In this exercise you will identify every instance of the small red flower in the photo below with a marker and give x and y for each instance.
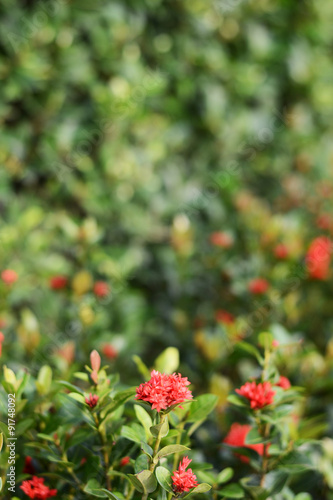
(182, 479)
(58, 282)
(258, 286)
(163, 391)
(28, 466)
(101, 289)
(237, 437)
(259, 395)
(9, 276)
(221, 239)
(35, 488)
(109, 351)
(275, 343)
(224, 317)
(283, 382)
(2, 338)
(281, 251)
(124, 461)
(92, 400)
(318, 258)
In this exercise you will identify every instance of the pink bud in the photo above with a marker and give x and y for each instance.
(95, 360)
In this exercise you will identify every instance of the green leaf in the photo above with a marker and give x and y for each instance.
(164, 478)
(23, 426)
(141, 463)
(78, 397)
(161, 429)
(141, 367)
(232, 491)
(134, 433)
(237, 400)
(253, 437)
(202, 407)
(69, 386)
(144, 418)
(136, 483)
(201, 488)
(251, 350)
(147, 449)
(119, 399)
(44, 380)
(225, 475)
(168, 360)
(171, 449)
(93, 488)
(109, 494)
(265, 340)
(148, 481)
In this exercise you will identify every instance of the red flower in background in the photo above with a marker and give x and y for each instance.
(58, 282)
(318, 258)
(92, 400)
(9, 276)
(281, 251)
(109, 351)
(283, 382)
(324, 221)
(2, 338)
(224, 317)
(35, 488)
(221, 239)
(259, 395)
(182, 479)
(237, 436)
(258, 286)
(101, 289)
(28, 466)
(163, 391)
(124, 461)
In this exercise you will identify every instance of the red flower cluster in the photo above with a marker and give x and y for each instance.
(258, 286)
(101, 289)
(35, 488)
(237, 436)
(259, 395)
(163, 391)
(221, 239)
(58, 282)
(318, 258)
(92, 400)
(182, 479)
(28, 466)
(124, 461)
(9, 276)
(224, 317)
(283, 382)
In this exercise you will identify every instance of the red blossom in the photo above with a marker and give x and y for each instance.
(182, 479)
(28, 466)
(92, 400)
(101, 289)
(283, 382)
(258, 286)
(35, 488)
(2, 338)
(318, 258)
(163, 391)
(109, 351)
(9, 276)
(124, 461)
(259, 395)
(221, 239)
(58, 282)
(224, 317)
(281, 251)
(237, 437)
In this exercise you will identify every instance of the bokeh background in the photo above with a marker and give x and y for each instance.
(176, 151)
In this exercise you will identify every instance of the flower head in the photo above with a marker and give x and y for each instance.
(163, 391)
(318, 258)
(237, 436)
(92, 400)
(258, 286)
(283, 382)
(35, 488)
(9, 276)
(182, 479)
(28, 466)
(124, 461)
(101, 289)
(259, 395)
(58, 282)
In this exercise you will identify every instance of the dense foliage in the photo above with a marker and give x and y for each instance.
(166, 184)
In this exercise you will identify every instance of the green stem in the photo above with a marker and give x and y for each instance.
(264, 470)
(155, 451)
(176, 457)
(105, 452)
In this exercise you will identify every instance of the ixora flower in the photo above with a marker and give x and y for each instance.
(35, 488)
(258, 286)
(318, 258)
(92, 400)
(9, 276)
(237, 436)
(164, 391)
(259, 395)
(182, 479)
(283, 382)
(58, 282)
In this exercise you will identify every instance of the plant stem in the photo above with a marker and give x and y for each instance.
(265, 434)
(176, 457)
(157, 444)
(105, 452)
